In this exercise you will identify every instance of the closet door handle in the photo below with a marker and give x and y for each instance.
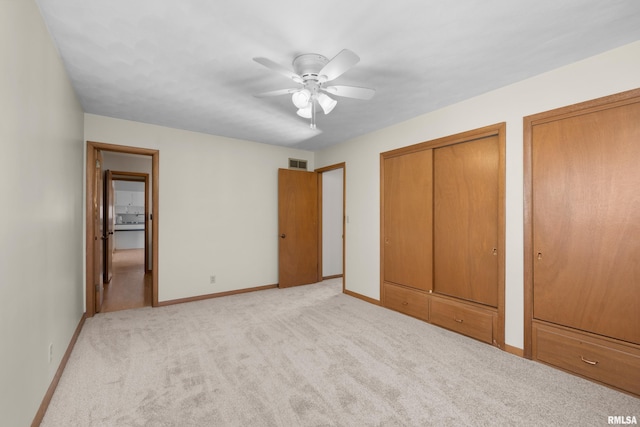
(458, 320)
(589, 362)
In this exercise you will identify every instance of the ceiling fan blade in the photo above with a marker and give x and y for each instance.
(275, 92)
(338, 65)
(351, 91)
(279, 69)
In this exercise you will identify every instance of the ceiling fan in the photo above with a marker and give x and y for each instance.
(312, 72)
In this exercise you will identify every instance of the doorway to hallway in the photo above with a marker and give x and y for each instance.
(95, 287)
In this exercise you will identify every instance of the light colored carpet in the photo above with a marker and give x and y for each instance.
(308, 356)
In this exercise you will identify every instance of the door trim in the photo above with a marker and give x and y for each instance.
(320, 171)
(92, 148)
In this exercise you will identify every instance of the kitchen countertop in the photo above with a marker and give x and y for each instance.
(129, 227)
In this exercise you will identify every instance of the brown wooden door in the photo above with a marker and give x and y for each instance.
(466, 220)
(98, 230)
(109, 237)
(586, 222)
(407, 219)
(298, 228)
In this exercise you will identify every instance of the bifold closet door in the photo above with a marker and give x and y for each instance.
(466, 220)
(408, 219)
(586, 222)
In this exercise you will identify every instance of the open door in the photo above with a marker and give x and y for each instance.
(109, 214)
(298, 228)
(98, 233)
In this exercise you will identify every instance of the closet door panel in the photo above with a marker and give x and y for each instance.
(586, 222)
(466, 203)
(408, 219)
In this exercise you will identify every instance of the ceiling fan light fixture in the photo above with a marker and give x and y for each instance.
(312, 71)
(301, 98)
(327, 103)
(305, 111)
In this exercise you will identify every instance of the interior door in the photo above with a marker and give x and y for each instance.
(109, 214)
(98, 233)
(298, 228)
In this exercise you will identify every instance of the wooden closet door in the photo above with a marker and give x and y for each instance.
(586, 222)
(408, 219)
(466, 220)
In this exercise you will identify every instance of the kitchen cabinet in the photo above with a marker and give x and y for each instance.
(129, 239)
(123, 198)
(129, 201)
(137, 198)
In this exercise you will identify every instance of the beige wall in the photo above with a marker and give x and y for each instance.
(218, 205)
(41, 277)
(601, 75)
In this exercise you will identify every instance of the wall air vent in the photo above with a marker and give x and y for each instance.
(298, 164)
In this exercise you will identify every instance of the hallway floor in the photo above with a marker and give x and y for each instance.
(130, 286)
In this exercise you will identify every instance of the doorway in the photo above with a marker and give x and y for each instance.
(128, 253)
(302, 225)
(332, 223)
(94, 230)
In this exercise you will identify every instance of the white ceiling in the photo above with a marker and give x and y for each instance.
(188, 64)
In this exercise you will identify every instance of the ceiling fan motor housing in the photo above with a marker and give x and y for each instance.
(309, 65)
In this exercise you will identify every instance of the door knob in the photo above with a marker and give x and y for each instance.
(282, 236)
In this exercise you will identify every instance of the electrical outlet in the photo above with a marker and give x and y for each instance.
(50, 352)
(212, 279)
